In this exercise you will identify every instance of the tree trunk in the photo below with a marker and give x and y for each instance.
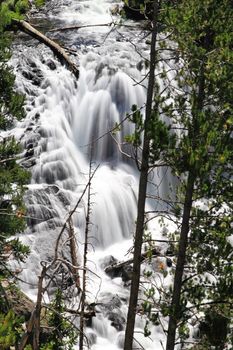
(83, 296)
(36, 333)
(142, 192)
(175, 305)
(73, 254)
(56, 48)
(194, 131)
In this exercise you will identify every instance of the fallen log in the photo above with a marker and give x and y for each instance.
(113, 269)
(56, 48)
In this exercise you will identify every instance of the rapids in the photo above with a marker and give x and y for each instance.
(66, 128)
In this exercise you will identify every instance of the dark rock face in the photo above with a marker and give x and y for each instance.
(117, 320)
(34, 75)
(113, 271)
(51, 64)
(40, 206)
(109, 302)
(110, 307)
(127, 273)
(28, 163)
(132, 10)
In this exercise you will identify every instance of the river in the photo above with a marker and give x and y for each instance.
(67, 129)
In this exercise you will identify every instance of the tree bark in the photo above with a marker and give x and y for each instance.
(83, 296)
(175, 305)
(56, 48)
(36, 333)
(142, 191)
(183, 242)
(73, 254)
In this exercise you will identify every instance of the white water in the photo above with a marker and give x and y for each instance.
(64, 117)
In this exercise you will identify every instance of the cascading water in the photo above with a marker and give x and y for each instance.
(66, 127)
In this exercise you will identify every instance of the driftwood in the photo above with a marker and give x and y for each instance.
(56, 48)
(86, 314)
(80, 27)
(114, 268)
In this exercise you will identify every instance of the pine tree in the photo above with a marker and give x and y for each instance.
(201, 157)
(12, 180)
(205, 155)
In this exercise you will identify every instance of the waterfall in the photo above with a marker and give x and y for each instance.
(66, 128)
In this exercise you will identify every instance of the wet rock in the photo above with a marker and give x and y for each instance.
(37, 116)
(123, 270)
(34, 75)
(108, 260)
(30, 146)
(109, 302)
(29, 152)
(27, 74)
(92, 338)
(51, 64)
(31, 63)
(31, 139)
(40, 213)
(127, 273)
(54, 189)
(169, 262)
(29, 128)
(117, 320)
(28, 163)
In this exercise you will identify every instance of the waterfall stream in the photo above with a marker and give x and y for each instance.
(66, 128)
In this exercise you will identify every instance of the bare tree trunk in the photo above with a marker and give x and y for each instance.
(83, 296)
(142, 190)
(57, 49)
(183, 242)
(36, 335)
(73, 253)
(175, 305)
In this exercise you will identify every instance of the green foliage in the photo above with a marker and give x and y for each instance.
(10, 329)
(39, 3)
(12, 177)
(205, 149)
(64, 335)
(201, 109)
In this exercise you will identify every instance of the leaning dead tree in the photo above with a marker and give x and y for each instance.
(50, 270)
(55, 47)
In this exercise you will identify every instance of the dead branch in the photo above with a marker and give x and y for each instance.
(90, 26)
(55, 47)
(80, 27)
(71, 214)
